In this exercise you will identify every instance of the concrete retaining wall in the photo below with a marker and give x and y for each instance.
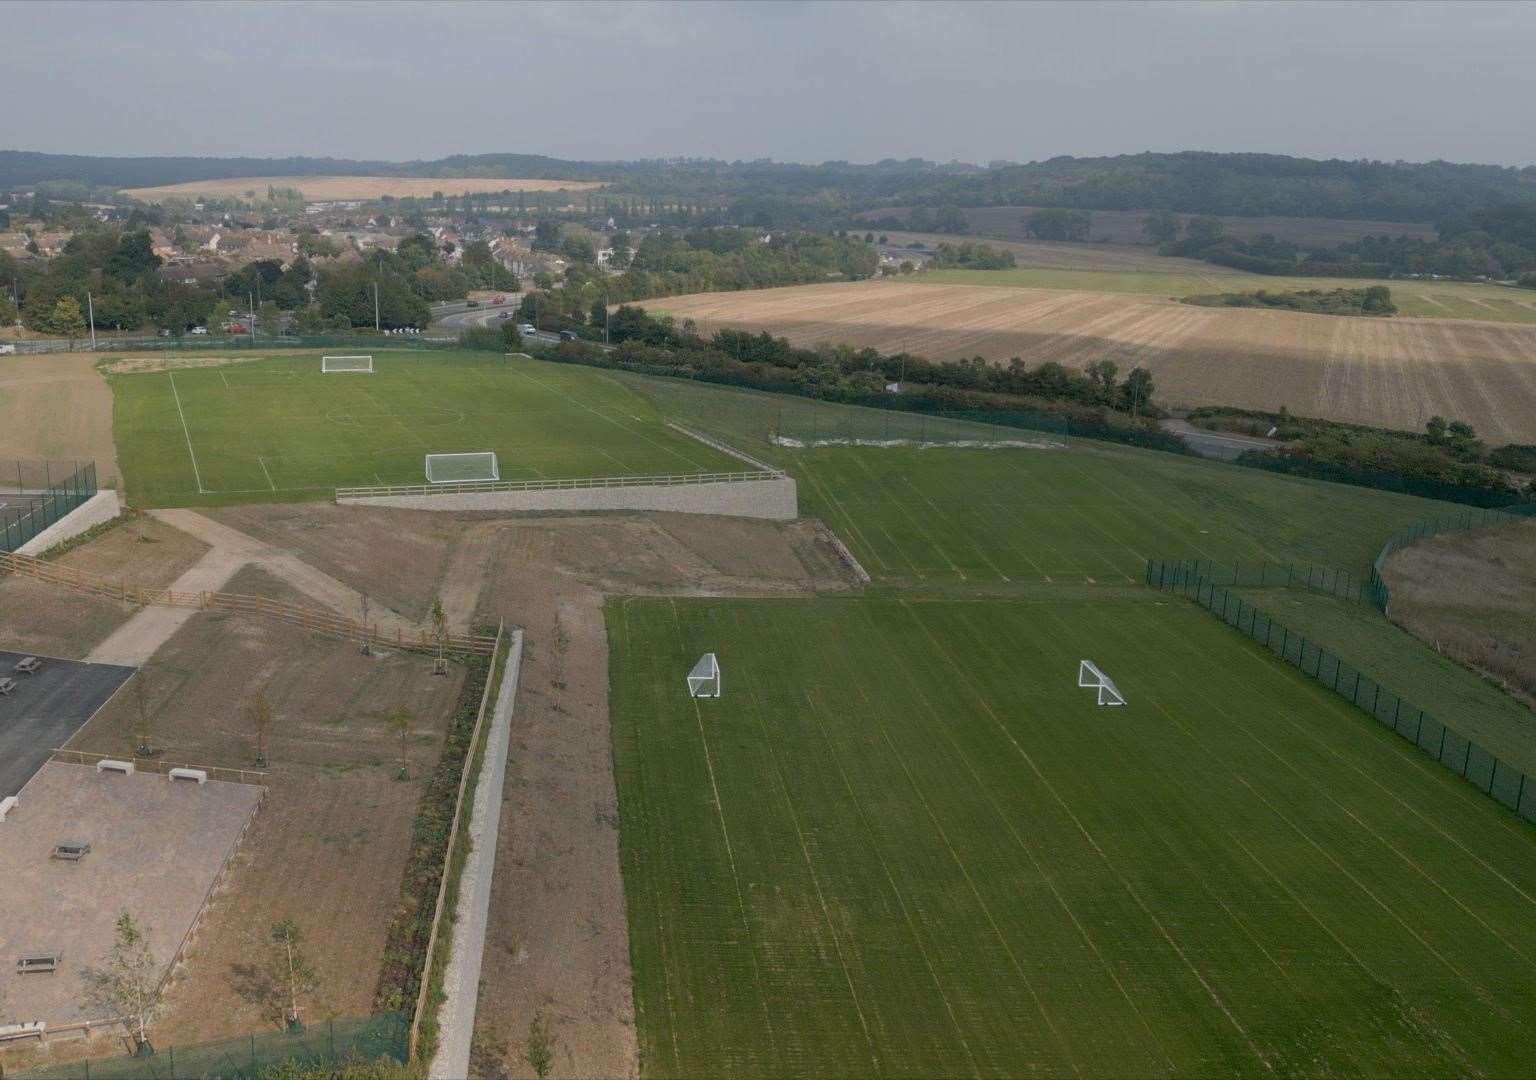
(99, 508)
(773, 498)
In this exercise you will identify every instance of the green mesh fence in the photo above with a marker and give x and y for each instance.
(1456, 752)
(826, 426)
(1268, 575)
(369, 1038)
(35, 494)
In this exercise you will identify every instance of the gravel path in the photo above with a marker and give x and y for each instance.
(461, 983)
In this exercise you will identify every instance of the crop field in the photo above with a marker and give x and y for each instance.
(905, 843)
(1426, 299)
(1388, 372)
(326, 188)
(1125, 226)
(278, 430)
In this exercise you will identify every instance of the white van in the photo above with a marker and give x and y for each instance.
(6, 350)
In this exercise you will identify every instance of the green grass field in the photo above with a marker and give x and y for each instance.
(279, 430)
(1453, 694)
(904, 843)
(1096, 511)
(1432, 299)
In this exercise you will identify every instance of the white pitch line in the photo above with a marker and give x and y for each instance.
(196, 475)
(268, 474)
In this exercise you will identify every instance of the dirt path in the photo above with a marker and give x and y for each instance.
(57, 407)
(465, 575)
(315, 584)
(141, 636)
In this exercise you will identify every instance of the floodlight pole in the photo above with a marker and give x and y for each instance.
(251, 301)
(90, 306)
(375, 306)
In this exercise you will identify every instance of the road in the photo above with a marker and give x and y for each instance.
(457, 315)
(1217, 444)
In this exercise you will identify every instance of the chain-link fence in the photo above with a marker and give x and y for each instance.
(368, 1038)
(826, 426)
(1175, 573)
(1467, 519)
(35, 494)
(201, 343)
(1450, 748)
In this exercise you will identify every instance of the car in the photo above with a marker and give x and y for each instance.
(505, 315)
(6, 350)
(527, 328)
(471, 303)
(200, 331)
(568, 335)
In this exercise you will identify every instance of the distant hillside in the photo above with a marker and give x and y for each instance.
(778, 193)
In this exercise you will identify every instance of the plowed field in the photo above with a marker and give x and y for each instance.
(1392, 372)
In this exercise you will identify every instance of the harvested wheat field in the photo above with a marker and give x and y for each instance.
(1390, 372)
(324, 188)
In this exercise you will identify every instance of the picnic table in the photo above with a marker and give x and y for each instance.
(28, 665)
(7, 684)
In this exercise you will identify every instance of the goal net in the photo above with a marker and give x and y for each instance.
(1089, 676)
(346, 363)
(460, 468)
(704, 679)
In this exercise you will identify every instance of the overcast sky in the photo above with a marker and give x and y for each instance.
(791, 81)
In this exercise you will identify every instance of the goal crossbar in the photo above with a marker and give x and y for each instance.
(704, 679)
(1090, 677)
(332, 364)
(462, 468)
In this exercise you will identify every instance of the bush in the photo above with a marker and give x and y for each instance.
(1517, 456)
(483, 339)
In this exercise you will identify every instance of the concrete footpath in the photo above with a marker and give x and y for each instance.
(461, 982)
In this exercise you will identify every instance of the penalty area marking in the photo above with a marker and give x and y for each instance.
(196, 473)
(266, 472)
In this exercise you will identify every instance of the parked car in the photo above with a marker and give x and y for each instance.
(200, 331)
(6, 350)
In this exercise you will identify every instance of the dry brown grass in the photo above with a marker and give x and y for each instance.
(1471, 594)
(325, 188)
(57, 406)
(1392, 373)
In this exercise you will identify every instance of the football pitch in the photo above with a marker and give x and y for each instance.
(904, 842)
(280, 430)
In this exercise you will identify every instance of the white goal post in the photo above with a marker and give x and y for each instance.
(462, 468)
(704, 679)
(1089, 676)
(329, 364)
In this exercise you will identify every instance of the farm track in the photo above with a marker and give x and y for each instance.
(1390, 372)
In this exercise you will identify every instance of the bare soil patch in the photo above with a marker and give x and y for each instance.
(56, 406)
(139, 365)
(330, 844)
(38, 617)
(325, 188)
(1470, 595)
(1388, 372)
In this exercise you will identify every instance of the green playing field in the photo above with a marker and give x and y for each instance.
(280, 430)
(904, 843)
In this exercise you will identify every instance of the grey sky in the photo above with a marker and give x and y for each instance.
(790, 81)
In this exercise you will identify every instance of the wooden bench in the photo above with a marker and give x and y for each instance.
(198, 775)
(113, 765)
(28, 665)
(71, 850)
(7, 684)
(39, 963)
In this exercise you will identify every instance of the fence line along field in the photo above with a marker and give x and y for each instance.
(905, 843)
(1389, 372)
(281, 430)
(325, 188)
